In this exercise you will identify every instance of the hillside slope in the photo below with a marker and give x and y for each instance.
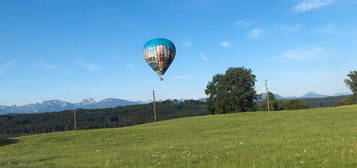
(306, 138)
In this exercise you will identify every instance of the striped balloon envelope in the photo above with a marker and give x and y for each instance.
(159, 53)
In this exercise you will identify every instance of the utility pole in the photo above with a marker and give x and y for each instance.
(154, 104)
(75, 119)
(268, 102)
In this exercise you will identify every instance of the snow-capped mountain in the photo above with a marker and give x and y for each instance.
(86, 102)
(58, 105)
(110, 102)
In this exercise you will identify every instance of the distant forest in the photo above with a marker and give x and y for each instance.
(25, 124)
(331, 101)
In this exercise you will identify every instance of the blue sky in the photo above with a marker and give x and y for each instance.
(76, 49)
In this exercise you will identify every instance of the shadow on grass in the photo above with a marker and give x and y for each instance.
(6, 141)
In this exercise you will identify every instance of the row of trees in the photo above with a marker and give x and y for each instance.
(234, 91)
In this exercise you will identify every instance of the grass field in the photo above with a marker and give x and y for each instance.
(306, 138)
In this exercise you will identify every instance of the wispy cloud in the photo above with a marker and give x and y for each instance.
(186, 43)
(226, 44)
(255, 33)
(242, 23)
(7, 65)
(305, 53)
(52, 67)
(89, 66)
(289, 29)
(181, 77)
(329, 29)
(131, 66)
(308, 5)
(203, 56)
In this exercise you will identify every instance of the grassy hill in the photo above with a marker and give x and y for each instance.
(305, 138)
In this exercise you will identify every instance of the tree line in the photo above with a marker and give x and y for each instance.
(234, 91)
(24, 124)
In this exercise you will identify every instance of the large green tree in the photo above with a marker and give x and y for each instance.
(233, 91)
(351, 82)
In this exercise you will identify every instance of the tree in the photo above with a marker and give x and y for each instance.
(231, 92)
(262, 102)
(263, 96)
(351, 99)
(271, 96)
(352, 81)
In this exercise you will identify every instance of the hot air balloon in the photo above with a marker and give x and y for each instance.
(159, 53)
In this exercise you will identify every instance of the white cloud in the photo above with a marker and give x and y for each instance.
(305, 53)
(242, 23)
(181, 77)
(226, 44)
(255, 33)
(53, 67)
(89, 66)
(203, 56)
(7, 65)
(308, 5)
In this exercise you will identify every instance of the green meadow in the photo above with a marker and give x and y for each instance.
(312, 138)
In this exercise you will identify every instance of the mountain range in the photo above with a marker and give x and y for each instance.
(58, 105)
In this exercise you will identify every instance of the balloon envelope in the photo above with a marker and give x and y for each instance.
(159, 54)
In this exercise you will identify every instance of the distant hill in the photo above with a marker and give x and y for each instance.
(110, 102)
(308, 95)
(330, 101)
(203, 99)
(312, 95)
(314, 100)
(58, 105)
(277, 96)
(342, 94)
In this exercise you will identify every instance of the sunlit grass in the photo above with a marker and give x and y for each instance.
(305, 138)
